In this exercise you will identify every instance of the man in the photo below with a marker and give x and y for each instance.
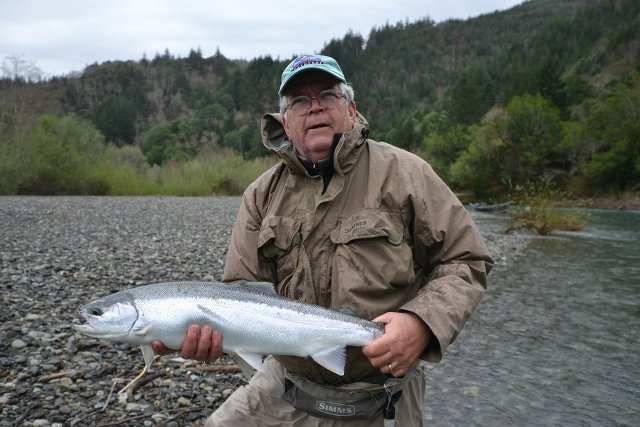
(348, 223)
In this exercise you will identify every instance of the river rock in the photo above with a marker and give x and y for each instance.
(18, 344)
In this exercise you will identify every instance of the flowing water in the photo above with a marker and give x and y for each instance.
(555, 341)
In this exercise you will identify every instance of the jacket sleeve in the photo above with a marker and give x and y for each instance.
(453, 259)
(244, 260)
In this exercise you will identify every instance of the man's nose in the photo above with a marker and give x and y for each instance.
(314, 105)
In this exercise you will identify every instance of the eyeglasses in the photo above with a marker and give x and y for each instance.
(327, 99)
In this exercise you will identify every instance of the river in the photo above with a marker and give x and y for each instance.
(555, 340)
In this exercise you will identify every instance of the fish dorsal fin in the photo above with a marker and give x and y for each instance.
(346, 310)
(333, 359)
(265, 287)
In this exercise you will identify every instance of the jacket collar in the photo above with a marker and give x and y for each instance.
(345, 154)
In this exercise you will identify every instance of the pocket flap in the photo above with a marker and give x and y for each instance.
(278, 231)
(369, 226)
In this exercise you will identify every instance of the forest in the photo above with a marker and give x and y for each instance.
(546, 93)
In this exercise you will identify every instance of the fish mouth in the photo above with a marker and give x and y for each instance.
(87, 328)
(85, 315)
(84, 329)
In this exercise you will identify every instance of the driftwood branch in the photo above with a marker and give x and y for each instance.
(142, 381)
(216, 368)
(57, 375)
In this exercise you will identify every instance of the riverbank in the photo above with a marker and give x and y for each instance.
(629, 202)
(58, 253)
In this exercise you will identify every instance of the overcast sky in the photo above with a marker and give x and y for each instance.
(62, 36)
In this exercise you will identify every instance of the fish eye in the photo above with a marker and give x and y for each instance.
(95, 311)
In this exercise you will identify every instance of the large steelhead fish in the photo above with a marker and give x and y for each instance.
(253, 319)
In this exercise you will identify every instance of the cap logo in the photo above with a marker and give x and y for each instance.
(305, 60)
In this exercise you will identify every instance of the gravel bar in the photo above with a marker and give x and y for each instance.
(58, 253)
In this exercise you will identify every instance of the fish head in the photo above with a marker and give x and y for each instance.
(110, 318)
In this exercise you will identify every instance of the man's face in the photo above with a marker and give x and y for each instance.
(312, 132)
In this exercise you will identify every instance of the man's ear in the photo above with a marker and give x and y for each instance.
(352, 112)
(285, 125)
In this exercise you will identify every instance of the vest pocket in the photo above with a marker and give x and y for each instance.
(373, 263)
(279, 240)
(278, 235)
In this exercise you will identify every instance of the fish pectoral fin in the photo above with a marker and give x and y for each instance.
(142, 331)
(333, 359)
(141, 327)
(253, 359)
(148, 354)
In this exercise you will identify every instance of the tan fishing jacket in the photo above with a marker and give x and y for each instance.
(386, 235)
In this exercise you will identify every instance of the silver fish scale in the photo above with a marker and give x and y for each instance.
(239, 291)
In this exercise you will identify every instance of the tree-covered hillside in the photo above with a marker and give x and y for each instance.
(546, 90)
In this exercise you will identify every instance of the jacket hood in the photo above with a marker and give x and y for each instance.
(345, 154)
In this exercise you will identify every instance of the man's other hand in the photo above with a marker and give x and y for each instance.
(404, 340)
(202, 344)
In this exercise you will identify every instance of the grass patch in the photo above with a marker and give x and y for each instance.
(66, 156)
(223, 173)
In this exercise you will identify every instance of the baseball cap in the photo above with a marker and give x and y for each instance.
(311, 62)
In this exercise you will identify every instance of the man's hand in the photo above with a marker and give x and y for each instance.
(405, 338)
(200, 344)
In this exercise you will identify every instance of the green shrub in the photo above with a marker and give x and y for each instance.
(541, 209)
(124, 171)
(11, 166)
(67, 155)
(56, 157)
